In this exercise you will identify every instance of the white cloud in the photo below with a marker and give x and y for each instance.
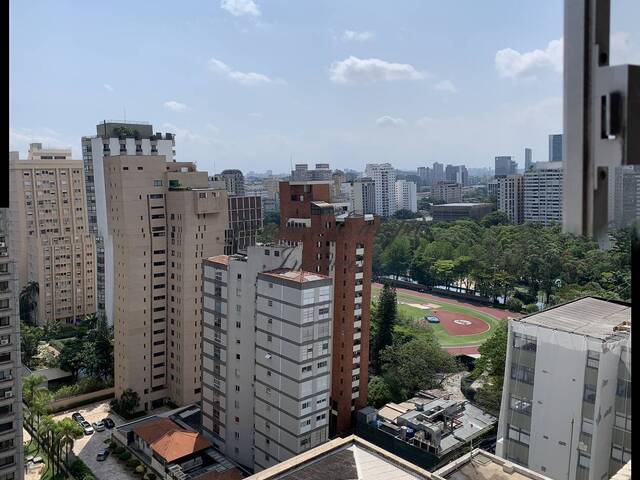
(239, 8)
(175, 106)
(108, 87)
(388, 121)
(446, 86)
(623, 49)
(243, 78)
(511, 63)
(352, 35)
(20, 138)
(354, 70)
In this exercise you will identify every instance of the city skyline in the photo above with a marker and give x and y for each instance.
(232, 102)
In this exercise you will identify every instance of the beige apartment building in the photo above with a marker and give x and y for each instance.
(164, 218)
(49, 234)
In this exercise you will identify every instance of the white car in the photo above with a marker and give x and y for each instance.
(98, 426)
(88, 429)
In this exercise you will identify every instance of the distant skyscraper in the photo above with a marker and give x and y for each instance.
(406, 198)
(528, 159)
(450, 174)
(543, 193)
(555, 148)
(363, 196)
(504, 166)
(438, 172)
(384, 177)
(626, 195)
(511, 197)
(233, 180)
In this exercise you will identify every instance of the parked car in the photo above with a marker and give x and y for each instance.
(88, 429)
(102, 455)
(98, 426)
(77, 417)
(108, 422)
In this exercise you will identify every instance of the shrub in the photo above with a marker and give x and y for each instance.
(140, 470)
(513, 304)
(112, 445)
(150, 476)
(531, 308)
(119, 450)
(124, 456)
(133, 463)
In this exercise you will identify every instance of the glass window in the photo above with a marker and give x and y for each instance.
(593, 359)
(525, 342)
(520, 404)
(589, 393)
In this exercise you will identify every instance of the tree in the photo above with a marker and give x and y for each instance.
(396, 257)
(48, 434)
(386, 311)
(29, 341)
(98, 350)
(73, 357)
(70, 431)
(514, 304)
(29, 303)
(31, 384)
(414, 365)
(404, 214)
(495, 218)
(444, 270)
(127, 404)
(491, 365)
(379, 393)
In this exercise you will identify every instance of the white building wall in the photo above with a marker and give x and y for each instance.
(384, 177)
(406, 196)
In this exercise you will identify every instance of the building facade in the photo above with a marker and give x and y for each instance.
(528, 159)
(233, 180)
(49, 235)
(447, 192)
(438, 172)
(322, 172)
(566, 401)
(457, 174)
(339, 245)
(543, 193)
(458, 211)
(504, 165)
(163, 219)
(406, 198)
(245, 222)
(11, 448)
(626, 194)
(111, 139)
(266, 355)
(555, 147)
(363, 196)
(511, 197)
(384, 178)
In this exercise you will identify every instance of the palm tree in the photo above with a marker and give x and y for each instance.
(47, 434)
(29, 302)
(39, 407)
(30, 386)
(69, 432)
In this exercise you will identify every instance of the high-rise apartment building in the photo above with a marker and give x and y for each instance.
(511, 197)
(322, 172)
(425, 174)
(528, 159)
(600, 118)
(11, 448)
(339, 245)
(438, 172)
(457, 174)
(111, 139)
(163, 219)
(504, 166)
(266, 355)
(626, 192)
(447, 192)
(555, 147)
(363, 196)
(245, 222)
(543, 193)
(233, 180)
(566, 399)
(406, 196)
(49, 235)
(384, 178)
(338, 177)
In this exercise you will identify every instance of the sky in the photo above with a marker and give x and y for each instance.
(261, 84)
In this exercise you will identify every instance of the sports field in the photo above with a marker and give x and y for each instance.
(463, 327)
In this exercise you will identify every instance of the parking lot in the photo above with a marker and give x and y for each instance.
(87, 447)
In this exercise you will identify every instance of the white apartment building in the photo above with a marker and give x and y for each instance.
(406, 196)
(384, 178)
(566, 401)
(111, 139)
(511, 197)
(266, 359)
(363, 196)
(448, 192)
(543, 193)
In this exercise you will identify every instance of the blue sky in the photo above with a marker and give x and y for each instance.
(251, 84)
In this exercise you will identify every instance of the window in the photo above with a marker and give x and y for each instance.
(584, 461)
(237, 388)
(319, 418)
(589, 393)
(305, 423)
(587, 426)
(593, 359)
(306, 405)
(618, 452)
(157, 183)
(518, 434)
(270, 303)
(525, 342)
(622, 421)
(520, 404)
(322, 364)
(306, 369)
(522, 373)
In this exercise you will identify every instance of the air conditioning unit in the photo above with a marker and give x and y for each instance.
(4, 341)
(8, 394)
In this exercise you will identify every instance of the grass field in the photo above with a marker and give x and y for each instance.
(441, 334)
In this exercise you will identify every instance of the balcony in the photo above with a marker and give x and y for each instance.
(359, 251)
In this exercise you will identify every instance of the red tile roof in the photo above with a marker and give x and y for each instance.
(152, 431)
(178, 444)
(222, 259)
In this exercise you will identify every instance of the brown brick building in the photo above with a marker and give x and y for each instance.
(340, 245)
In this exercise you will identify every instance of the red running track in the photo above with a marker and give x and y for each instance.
(455, 329)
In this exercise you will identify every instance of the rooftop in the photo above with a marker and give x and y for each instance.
(588, 316)
(481, 465)
(222, 259)
(300, 276)
(179, 443)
